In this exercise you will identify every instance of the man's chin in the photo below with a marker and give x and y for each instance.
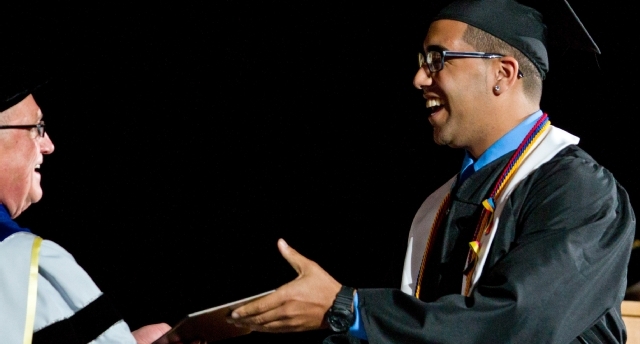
(438, 139)
(35, 195)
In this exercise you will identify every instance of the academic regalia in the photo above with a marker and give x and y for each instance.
(555, 272)
(46, 293)
(555, 268)
(69, 307)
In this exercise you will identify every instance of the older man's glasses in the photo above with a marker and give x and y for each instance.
(436, 57)
(39, 127)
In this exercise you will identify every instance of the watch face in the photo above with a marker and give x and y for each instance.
(340, 316)
(340, 320)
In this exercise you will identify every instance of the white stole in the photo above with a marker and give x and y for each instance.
(541, 151)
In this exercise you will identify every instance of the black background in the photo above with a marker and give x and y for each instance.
(190, 137)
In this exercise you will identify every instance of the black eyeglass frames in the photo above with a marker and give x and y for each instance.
(435, 58)
(39, 126)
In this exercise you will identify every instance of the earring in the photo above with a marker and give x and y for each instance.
(496, 88)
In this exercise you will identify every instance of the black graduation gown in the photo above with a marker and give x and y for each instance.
(556, 271)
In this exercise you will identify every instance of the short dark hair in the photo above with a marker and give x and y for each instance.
(483, 41)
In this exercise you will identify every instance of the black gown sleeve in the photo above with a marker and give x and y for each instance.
(556, 269)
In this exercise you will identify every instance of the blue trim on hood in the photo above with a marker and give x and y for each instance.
(7, 225)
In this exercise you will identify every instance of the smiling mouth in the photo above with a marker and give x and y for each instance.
(37, 169)
(434, 105)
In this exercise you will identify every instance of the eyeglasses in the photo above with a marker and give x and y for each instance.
(436, 57)
(39, 127)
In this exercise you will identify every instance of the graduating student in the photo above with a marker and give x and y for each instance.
(529, 243)
(45, 296)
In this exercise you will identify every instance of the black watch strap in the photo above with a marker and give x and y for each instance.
(340, 316)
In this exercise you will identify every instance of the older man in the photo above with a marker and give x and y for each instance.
(527, 244)
(45, 296)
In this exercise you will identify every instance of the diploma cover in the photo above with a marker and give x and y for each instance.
(208, 325)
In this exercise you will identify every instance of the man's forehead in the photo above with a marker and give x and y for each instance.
(446, 34)
(31, 107)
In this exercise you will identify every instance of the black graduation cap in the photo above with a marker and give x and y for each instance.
(19, 77)
(523, 27)
(12, 94)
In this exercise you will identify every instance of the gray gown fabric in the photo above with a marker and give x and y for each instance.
(556, 271)
(64, 289)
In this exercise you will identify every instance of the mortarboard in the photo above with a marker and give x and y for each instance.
(12, 94)
(19, 77)
(524, 27)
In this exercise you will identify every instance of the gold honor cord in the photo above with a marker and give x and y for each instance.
(32, 293)
(487, 216)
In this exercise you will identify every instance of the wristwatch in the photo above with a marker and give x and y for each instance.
(340, 316)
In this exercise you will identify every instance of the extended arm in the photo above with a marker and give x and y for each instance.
(299, 305)
(557, 269)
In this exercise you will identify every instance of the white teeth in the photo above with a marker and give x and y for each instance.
(37, 166)
(433, 102)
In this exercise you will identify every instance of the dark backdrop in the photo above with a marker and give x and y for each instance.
(190, 137)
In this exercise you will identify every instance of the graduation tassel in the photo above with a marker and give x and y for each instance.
(489, 204)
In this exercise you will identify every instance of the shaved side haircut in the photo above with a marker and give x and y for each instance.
(483, 41)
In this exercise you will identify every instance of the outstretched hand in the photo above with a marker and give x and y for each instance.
(148, 334)
(299, 305)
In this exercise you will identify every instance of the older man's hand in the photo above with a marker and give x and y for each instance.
(148, 334)
(299, 305)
